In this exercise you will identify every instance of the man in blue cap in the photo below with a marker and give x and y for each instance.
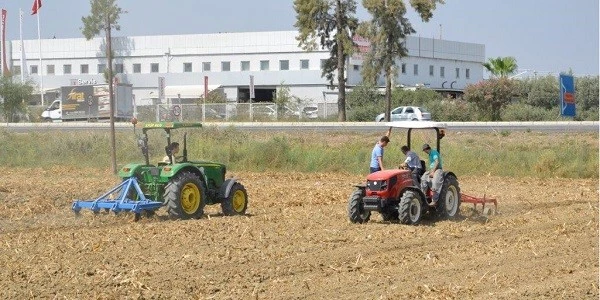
(434, 178)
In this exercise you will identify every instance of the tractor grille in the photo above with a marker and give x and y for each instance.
(372, 203)
(377, 185)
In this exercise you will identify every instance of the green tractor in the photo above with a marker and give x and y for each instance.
(181, 185)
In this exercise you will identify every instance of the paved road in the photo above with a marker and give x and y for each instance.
(571, 126)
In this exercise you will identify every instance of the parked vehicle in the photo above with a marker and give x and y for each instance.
(83, 102)
(406, 113)
(311, 112)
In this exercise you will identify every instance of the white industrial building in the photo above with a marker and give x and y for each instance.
(228, 60)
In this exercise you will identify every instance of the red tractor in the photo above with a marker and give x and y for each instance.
(393, 194)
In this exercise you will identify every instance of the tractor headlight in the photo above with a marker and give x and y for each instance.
(377, 185)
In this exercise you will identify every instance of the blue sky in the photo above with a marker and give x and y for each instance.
(545, 36)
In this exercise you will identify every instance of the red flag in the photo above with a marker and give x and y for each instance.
(36, 5)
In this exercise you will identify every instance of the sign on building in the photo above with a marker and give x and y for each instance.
(567, 95)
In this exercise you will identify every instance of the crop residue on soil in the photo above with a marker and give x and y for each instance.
(296, 243)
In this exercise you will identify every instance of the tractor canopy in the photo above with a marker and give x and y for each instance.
(438, 127)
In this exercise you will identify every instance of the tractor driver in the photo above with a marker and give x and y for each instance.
(172, 149)
(413, 163)
(434, 178)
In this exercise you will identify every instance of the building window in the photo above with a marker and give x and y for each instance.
(468, 73)
(304, 64)
(431, 70)
(225, 66)
(187, 67)
(154, 68)
(34, 69)
(457, 72)
(50, 69)
(264, 65)
(137, 68)
(403, 68)
(119, 69)
(284, 65)
(66, 69)
(245, 66)
(356, 67)
(101, 68)
(442, 72)
(206, 66)
(16, 70)
(416, 69)
(84, 69)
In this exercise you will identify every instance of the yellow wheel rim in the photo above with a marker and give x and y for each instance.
(190, 198)
(239, 201)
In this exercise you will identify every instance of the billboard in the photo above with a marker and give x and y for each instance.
(79, 102)
(567, 95)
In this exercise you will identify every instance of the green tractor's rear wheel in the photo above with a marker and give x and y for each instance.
(237, 201)
(185, 196)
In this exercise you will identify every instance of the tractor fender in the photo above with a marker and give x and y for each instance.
(361, 186)
(226, 188)
(446, 174)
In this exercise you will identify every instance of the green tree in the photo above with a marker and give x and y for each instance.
(14, 96)
(214, 96)
(332, 23)
(501, 66)
(104, 16)
(387, 31)
(490, 96)
(543, 92)
(586, 92)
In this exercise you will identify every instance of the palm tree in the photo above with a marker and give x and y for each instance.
(501, 66)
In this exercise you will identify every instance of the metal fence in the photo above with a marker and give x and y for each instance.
(242, 112)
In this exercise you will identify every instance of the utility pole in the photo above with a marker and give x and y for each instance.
(113, 149)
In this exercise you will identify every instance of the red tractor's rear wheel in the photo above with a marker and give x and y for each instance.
(356, 210)
(449, 201)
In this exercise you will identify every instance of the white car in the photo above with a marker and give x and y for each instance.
(406, 113)
(311, 112)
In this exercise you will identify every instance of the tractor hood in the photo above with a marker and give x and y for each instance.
(386, 174)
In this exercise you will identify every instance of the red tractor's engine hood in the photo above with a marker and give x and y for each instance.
(386, 174)
(387, 184)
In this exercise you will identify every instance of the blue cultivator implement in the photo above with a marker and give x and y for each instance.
(123, 201)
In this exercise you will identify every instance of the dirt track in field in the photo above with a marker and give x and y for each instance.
(296, 243)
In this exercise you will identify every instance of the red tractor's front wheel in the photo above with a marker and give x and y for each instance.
(410, 209)
(356, 210)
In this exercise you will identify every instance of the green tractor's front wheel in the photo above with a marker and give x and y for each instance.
(185, 196)
(237, 201)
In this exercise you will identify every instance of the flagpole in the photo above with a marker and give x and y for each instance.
(22, 47)
(41, 70)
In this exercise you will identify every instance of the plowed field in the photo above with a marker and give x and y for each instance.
(296, 243)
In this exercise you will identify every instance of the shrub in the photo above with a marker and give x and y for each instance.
(525, 112)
